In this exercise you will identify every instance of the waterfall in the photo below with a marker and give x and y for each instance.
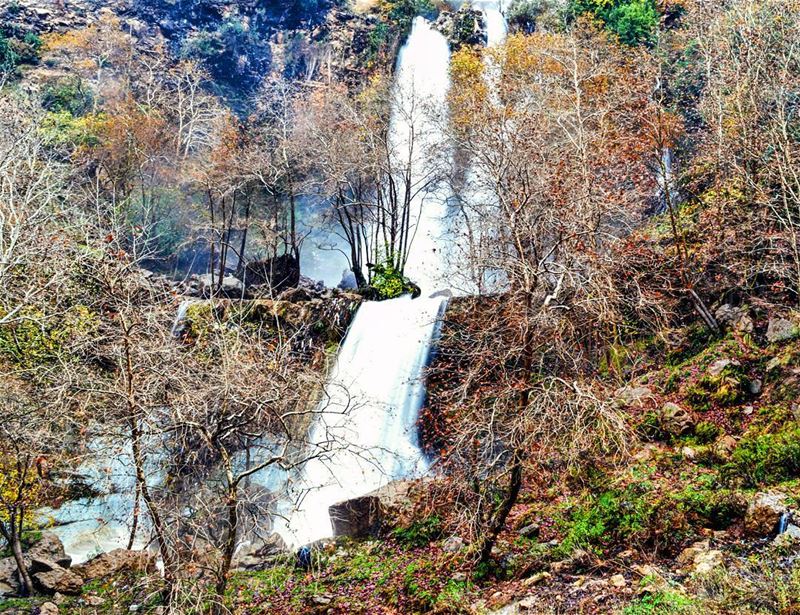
(496, 26)
(365, 431)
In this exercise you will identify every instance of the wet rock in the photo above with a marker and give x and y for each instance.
(454, 544)
(764, 512)
(781, 330)
(114, 562)
(675, 420)
(788, 538)
(59, 580)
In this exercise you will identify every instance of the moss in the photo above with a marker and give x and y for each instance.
(710, 505)
(706, 432)
(727, 389)
(419, 533)
(766, 458)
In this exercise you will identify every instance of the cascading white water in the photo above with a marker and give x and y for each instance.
(496, 26)
(367, 421)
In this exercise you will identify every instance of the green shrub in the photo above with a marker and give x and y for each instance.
(68, 95)
(63, 128)
(31, 339)
(633, 21)
(767, 458)
(8, 56)
(401, 13)
(389, 282)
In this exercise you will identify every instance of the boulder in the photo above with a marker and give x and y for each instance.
(634, 396)
(230, 286)
(59, 580)
(9, 581)
(737, 318)
(707, 561)
(530, 531)
(700, 558)
(260, 553)
(49, 547)
(454, 544)
(675, 420)
(718, 366)
(764, 512)
(48, 608)
(781, 330)
(358, 518)
(114, 562)
(44, 555)
(365, 516)
(725, 446)
(277, 273)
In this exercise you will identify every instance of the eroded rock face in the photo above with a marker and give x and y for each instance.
(764, 512)
(467, 26)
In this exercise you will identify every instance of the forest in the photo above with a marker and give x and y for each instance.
(478, 307)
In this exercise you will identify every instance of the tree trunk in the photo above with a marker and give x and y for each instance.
(24, 576)
(498, 520)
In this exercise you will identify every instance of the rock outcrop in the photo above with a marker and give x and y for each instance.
(764, 512)
(119, 560)
(367, 515)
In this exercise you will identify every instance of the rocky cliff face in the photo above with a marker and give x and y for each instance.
(240, 42)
